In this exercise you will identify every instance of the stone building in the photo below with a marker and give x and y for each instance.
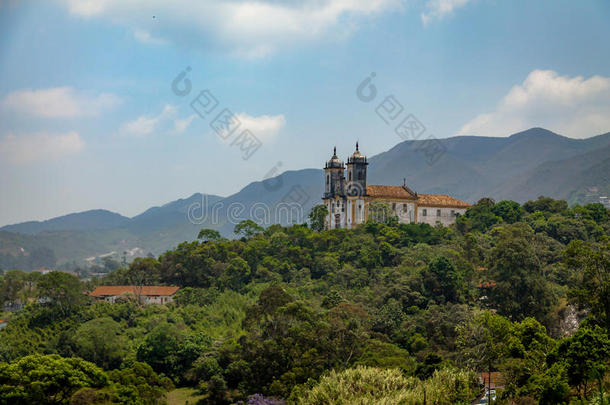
(348, 197)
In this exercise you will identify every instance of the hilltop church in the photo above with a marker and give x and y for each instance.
(348, 199)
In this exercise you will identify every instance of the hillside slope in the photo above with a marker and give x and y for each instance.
(519, 167)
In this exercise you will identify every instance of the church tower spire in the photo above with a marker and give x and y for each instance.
(334, 175)
(356, 173)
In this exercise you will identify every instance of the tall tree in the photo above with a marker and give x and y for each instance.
(209, 235)
(520, 288)
(591, 290)
(63, 290)
(248, 228)
(51, 379)
(317, 217)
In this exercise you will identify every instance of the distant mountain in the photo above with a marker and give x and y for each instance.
(568, 179)
(474, 167)
(86, 220)
(520, 167)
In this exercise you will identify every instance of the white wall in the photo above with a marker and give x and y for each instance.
(337, 206)
(447, 216)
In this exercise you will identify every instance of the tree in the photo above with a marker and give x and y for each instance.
(143, 271)
(585, 355)
(597, 212)
(546, 204)
(248, 228)
(591, 289)
(479, 217)
(369, 385)
(209, 235)
(317, 217)
(443, 281)
(99, 341)
(520, 288)
(47, 379)
(63, 290)
(509, 211)
(11, 284)
(139, 384)
(170, 350)
(483, 341)
(236, 274)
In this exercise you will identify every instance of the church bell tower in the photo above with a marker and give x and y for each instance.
(335, 180)
(356, 174)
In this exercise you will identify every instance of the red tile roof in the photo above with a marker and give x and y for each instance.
(441, 200)
(487, 284)
(153, 290)
(496, 380)
(389, 191)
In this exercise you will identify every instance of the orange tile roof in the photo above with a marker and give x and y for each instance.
(496, 380)
(389, 191)
(487, 284)
(441, 200)
(152, 290)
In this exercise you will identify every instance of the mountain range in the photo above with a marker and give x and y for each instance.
(520, 167)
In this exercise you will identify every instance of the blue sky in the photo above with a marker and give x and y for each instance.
(88, 118)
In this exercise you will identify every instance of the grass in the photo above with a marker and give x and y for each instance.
(183, 396)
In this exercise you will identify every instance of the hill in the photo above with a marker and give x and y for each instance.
(519, 167)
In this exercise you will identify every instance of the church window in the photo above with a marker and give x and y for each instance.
(327, 179)
(393, 206)
(438, 213)
(349, 175)
(404, 207)
(424, 212)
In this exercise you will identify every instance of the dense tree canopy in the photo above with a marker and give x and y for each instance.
(286, 313)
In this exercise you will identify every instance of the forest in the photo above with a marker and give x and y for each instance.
(388, 313)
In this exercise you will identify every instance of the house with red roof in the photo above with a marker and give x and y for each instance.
(144, 294)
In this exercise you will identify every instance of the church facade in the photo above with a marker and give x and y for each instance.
(348, 197)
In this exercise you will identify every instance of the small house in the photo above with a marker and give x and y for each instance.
(144, 294)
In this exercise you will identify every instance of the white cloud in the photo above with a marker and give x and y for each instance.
(146, 124)
(264, 127)
(145, 37)
(437, 9)
(181, 125)
(571, 106)
(39, 147)
(242, 27)
(59, 102)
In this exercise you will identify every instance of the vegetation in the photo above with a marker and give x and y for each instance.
(380, 314)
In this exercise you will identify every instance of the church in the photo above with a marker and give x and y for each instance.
(348, 198)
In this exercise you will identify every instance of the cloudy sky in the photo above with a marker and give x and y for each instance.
(114, 103)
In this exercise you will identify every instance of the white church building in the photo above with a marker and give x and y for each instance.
(348, 197)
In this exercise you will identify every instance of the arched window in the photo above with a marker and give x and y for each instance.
(349, 176)
(327, 178)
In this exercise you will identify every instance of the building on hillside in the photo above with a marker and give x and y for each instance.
(348, 198)
(492, 380)
(145, 294)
